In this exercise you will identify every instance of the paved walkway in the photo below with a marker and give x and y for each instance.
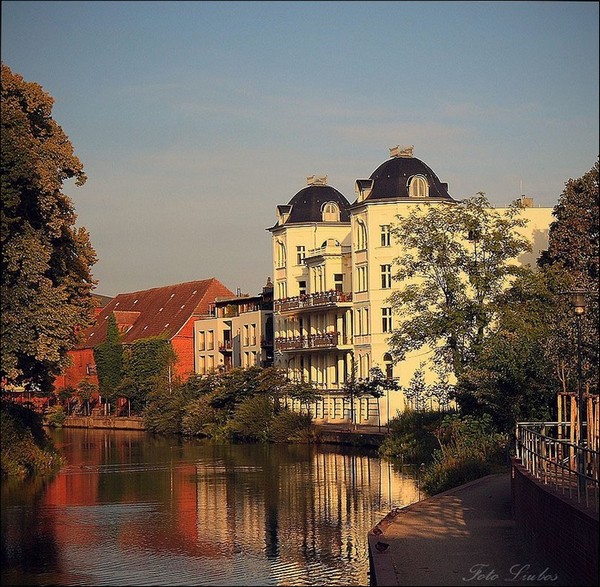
(464, 536)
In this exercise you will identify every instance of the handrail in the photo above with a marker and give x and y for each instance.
(558, 461)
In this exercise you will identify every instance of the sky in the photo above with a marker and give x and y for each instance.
(195, 120)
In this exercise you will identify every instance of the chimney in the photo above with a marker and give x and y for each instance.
(526, 202)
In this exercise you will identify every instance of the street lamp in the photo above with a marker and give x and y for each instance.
(577, 299)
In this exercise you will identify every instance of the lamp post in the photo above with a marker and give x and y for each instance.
(577, 298)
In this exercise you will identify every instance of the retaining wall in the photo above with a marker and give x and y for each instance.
(556, 524)
(106, 422)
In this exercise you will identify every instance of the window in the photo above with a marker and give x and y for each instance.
(361, 278)
(386, 276)
(386, 320)
(385, 235)
(300, 255)
(331, 212)
(302, 287)
(418, 187)
(338, 280)
(281, 256)
(281, 290)
(361, 235)
(210, 340)
(246, 335)
(253, 334)
(201, 341)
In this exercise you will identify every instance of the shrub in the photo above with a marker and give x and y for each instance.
(25, 449)
(411, 436)
(288, 426)
(469, 448)
(252, 419)
(200, 418)
(55, 416)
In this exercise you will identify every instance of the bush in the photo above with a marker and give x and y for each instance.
(288, 426)
(252, 419)
(55, 416)
(26, 450)
(411, 436)
(200, 418)
(469, 448)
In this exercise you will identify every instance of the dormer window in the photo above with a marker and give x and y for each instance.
(331, 212)
(418, 187)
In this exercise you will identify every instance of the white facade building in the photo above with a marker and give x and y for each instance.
(332, 274)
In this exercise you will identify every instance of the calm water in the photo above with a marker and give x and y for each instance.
(130, 509)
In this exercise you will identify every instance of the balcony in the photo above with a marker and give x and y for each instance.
(328, 340)
(225, 347)
(315, 300)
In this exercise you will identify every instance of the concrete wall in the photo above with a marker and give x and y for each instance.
(108, 422)
(555, 524)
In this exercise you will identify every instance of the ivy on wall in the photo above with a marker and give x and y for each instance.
(108, 357)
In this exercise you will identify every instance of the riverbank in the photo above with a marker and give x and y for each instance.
(370, 436)
(105, 422)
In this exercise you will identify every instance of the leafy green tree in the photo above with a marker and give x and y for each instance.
(457, 262)
(512, 377)
(574, 250)
(108, 357)
(85, 391)
(46, 260)
(147, 367)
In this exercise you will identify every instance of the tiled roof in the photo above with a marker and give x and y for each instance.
(160, 311)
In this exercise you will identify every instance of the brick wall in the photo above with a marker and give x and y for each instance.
(556, 525)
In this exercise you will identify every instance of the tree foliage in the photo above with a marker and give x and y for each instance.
(108, 357)
(147, 365)
(573, 253)
(511, 378)
(46, 260)
(457, 262)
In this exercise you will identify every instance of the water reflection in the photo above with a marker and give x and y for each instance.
(136, 510)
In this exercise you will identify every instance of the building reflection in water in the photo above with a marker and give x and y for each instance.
(134, 509)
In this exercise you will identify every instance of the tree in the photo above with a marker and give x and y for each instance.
(108, 357)
(456, 264)
(511, 378)
(46, 260)
(574, 251)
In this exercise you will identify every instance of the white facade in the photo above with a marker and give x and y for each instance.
(333, 277)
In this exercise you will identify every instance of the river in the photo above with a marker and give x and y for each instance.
(133, 509)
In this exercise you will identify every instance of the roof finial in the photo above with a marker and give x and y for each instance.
(316, 180)
(398, 151)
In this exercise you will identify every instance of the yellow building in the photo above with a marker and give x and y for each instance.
(238, 333)
(332, 273)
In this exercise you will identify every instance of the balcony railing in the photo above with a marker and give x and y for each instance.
(547, 453)
(312, 341)
(225, 346)
(318, 299)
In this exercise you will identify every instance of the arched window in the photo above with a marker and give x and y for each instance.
(361, 235)
(331, 212)
(418, 187)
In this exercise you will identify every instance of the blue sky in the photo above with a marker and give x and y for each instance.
(194, 120)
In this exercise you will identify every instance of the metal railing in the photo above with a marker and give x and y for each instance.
(318, 299)
(548, 451)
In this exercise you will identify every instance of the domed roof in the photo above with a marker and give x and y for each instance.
(308, 204)
(392, 179)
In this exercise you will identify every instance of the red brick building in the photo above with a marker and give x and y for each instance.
(168, 311)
